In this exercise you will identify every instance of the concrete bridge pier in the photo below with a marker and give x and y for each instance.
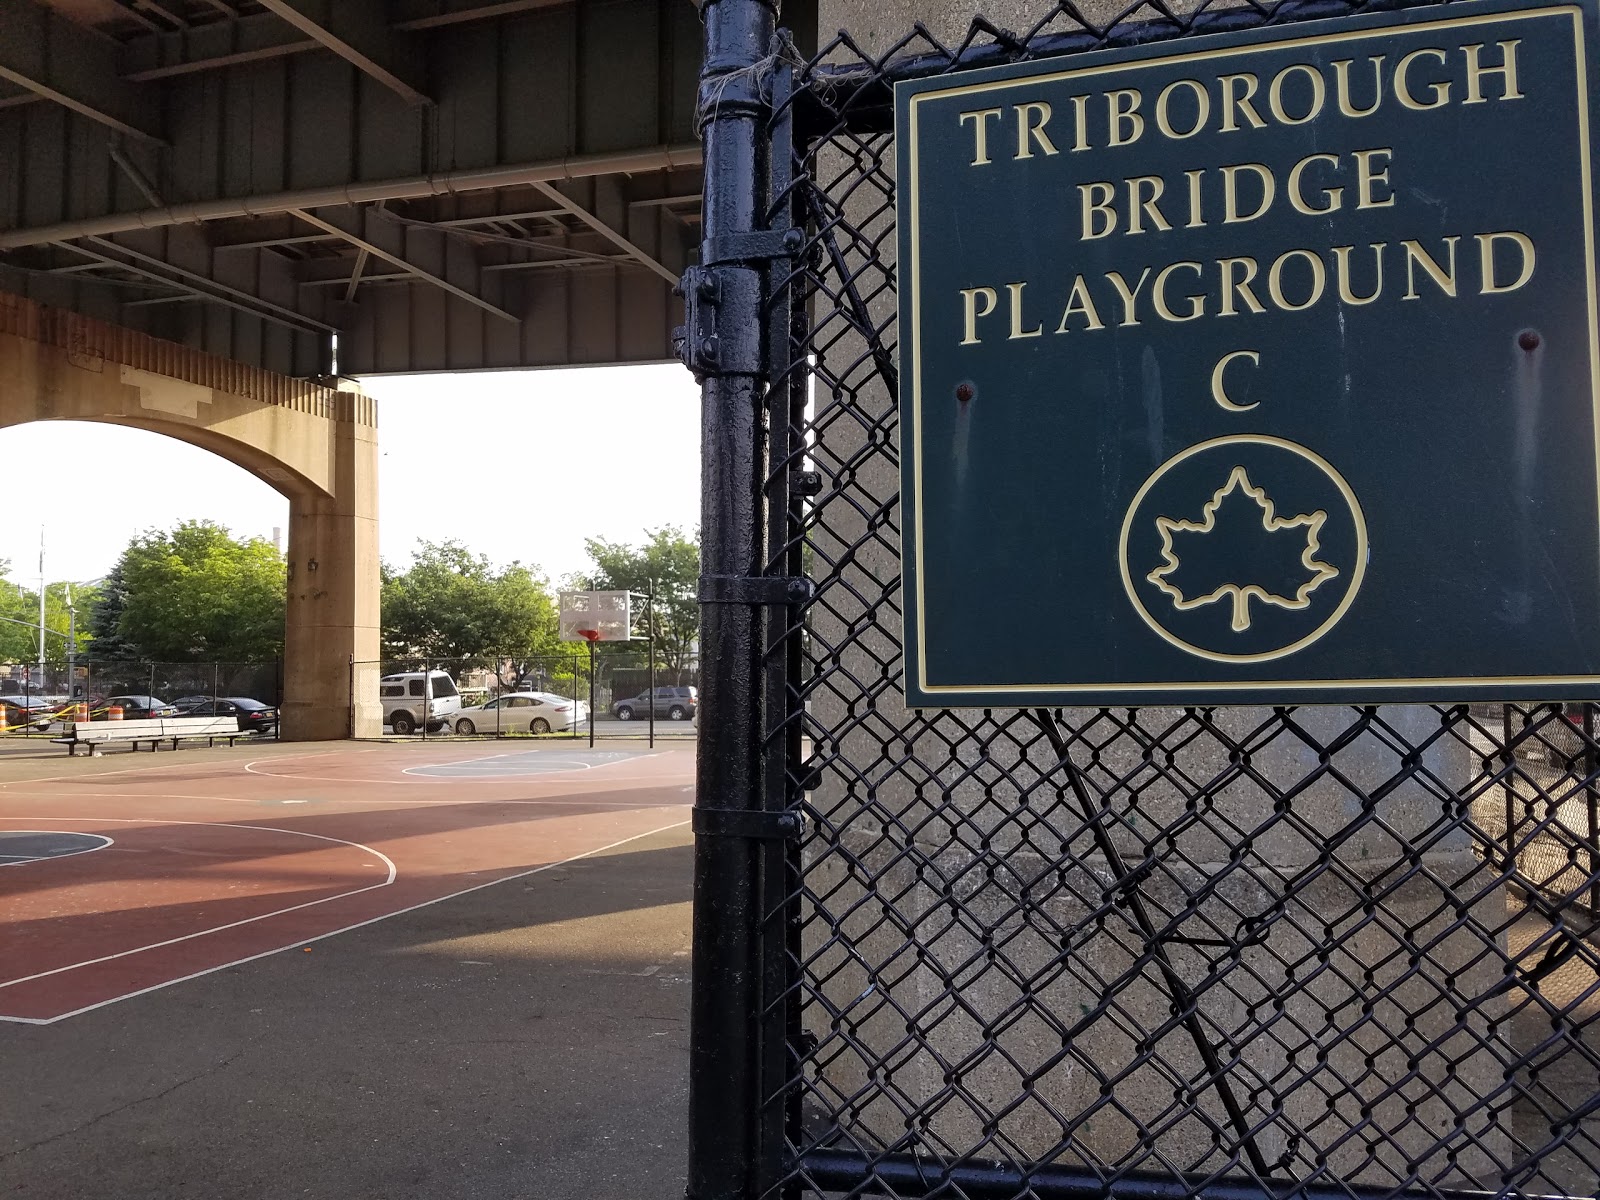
(331, 634)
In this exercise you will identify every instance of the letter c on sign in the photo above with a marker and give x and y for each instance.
(1219, 393)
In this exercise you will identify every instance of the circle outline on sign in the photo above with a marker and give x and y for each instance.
(1357, 573)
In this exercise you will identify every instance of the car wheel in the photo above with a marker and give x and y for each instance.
(677, 713)
(466, 728)
(624, 713)
(539, 725)
(402, 723)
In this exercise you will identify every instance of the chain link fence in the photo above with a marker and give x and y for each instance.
(1268, 953)
(37, 701)
(522, 696)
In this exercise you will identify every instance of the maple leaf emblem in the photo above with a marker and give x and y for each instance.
(1242, 550)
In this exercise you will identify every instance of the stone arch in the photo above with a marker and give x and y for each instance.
(315, 445)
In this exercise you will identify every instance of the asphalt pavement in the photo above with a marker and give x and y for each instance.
(525, 1040)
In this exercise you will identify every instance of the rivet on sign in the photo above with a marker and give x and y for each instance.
(1529, 340)
(965, 392)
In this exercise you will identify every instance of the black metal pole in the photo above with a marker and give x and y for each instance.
(650, 601)
(725, 1003)
(591, 694)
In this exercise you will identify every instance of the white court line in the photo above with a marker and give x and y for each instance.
(17, 860)
(167, 766)
(89, 962)
(576, 800)
(405, 774)
(336, 932)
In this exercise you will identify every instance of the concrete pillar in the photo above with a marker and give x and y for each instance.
(956, 1004)
(331, 640)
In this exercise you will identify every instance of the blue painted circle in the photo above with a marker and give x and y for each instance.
(31, 845)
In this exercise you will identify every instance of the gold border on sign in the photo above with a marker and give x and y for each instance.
(1585, 151)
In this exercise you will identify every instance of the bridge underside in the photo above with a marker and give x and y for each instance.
(317, 189)
(356, 186)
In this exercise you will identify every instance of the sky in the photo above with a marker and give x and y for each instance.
(519, 465)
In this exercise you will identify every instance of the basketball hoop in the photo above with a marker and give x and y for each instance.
(589, 635)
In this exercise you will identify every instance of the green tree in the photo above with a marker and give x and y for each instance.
(667, 565)
(104, 617)
(452, 604)
(196, 593)
(19, 628)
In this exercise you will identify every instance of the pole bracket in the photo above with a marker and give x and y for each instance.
(777, 590)
(756, 246)
(713, 342)
(751, 823)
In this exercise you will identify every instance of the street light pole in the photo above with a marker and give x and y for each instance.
(72, 640)
(41, 603)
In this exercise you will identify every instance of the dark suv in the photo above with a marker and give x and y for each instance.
(674, 703)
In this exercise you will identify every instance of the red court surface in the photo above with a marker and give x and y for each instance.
(217, 858)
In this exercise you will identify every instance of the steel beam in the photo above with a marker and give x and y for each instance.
(239, 58)
(657, 158)
(357, 32)
(478, 12)
(374, 233)
(51, 57)
(606, 231)
(201, 288)
(135, 176)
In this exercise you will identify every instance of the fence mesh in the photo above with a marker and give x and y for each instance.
(523, 695)
(36, 700)
(1340, 952)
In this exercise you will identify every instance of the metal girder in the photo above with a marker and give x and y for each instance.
(135, 176)
(51, 57)
(357, 31)
(160, 271)
(653, 159)
(290, 45)
(478, 12)
(607, 231)
(380, 236)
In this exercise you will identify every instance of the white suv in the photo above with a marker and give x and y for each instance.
(413, 698)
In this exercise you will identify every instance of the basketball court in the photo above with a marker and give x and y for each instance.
(120, 880)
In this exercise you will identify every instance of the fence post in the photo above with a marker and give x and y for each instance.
(650, 599)
(723, 341)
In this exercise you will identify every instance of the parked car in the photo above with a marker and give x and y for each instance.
(674, 703)
(31, 712)
(253, 715)
(411, 698)
(516, 712)
(134, 708)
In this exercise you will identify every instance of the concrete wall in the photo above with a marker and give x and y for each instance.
(968, 954)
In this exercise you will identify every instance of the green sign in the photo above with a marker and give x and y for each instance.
(1256, 367)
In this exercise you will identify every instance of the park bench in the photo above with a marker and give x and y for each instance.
(155, 730)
